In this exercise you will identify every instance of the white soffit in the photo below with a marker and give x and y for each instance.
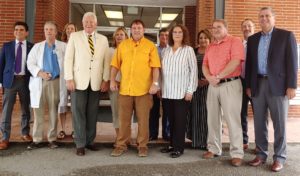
(152, 3)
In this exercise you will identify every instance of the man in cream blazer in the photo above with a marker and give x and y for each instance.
(45, 63)
(86, 72)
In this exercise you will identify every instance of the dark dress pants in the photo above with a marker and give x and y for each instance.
(85, 105)
(20, 86)
(177, 111)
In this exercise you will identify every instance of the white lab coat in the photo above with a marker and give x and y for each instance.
(35, 64)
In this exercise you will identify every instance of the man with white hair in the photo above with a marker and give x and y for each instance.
(45, 65)
(86, 72)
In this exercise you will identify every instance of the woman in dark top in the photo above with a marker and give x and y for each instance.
(197, 121)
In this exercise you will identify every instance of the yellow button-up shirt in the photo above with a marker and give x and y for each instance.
(135, 60)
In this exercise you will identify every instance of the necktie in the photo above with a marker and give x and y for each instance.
(18, 64)
(91, 43)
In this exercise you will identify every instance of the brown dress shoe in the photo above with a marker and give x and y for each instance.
(257, 162)
(80, 151)
(26, 138)
(236, 162)
(208, 155)
(92, 147)
(276, 166)
(4, 144)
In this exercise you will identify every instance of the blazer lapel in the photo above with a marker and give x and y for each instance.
(97, 43)
(86, 43)
(12, 47)
(273, 39)
(256, 43)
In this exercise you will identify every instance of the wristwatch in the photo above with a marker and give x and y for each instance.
(156, 83)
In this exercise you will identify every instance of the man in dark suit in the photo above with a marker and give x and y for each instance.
(271, 80)
(14, 78)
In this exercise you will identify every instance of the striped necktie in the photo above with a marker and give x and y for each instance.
(91, 43)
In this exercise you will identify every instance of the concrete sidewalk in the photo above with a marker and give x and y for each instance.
(63, 161)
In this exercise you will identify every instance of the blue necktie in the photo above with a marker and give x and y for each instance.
(18, 64)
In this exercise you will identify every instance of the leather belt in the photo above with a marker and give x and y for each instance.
(262, 76)
(19, 76)
(228, 79)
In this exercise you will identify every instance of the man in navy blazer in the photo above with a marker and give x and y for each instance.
(271, 80)
(14, 77)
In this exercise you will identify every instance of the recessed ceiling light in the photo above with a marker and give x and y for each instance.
(113, 14)
(163, 25)
(116, 23)
(168, 16)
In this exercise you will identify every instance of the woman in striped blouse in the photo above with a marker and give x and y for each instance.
(179, 82)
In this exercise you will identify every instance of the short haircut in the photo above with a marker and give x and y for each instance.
(163, 30)
(137, 21)
(220, 21)
(247, 19)
(186, 36)
(88, 14)
(114, 35)
(268, 8)
(51, 23)
(21, 23)
(206, 33)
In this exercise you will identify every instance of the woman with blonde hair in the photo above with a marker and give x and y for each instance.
(119, 35)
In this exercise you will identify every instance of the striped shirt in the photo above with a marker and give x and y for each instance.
(179, 72)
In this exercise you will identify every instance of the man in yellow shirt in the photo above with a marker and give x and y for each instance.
(138, 61)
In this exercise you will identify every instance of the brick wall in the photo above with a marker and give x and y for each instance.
(190, 23)
(50, 10)
(287, 17)
(10, 12)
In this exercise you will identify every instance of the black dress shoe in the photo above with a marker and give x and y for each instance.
(152, 138)
(175, 154)
(92, 147)
(167, 150)
(80, 151)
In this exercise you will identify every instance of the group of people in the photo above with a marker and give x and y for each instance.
(196, 87)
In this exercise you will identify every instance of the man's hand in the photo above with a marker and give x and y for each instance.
(213, 80)
(188, 97)
(202, 82)
(153, 89)
(290, 93)
(44, 75)
(114, 85)
(248, 92)
(71, 85)
(104, 86)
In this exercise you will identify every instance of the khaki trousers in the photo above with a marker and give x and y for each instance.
(228, 97)
(141, 105)
(50, 96)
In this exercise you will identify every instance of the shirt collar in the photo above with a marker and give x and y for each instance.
(223, 40)
(137, 42)
(89, 34)
(267, 34)
(23, 42)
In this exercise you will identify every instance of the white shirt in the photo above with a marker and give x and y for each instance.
(24, 53)
(179, 72)
(244, 63)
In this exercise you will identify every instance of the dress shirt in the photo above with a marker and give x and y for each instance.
(50, 62)
(24, 54)
(219, 54)
(263, 50)
(244, 63)
(135, 61)
(179, 72)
